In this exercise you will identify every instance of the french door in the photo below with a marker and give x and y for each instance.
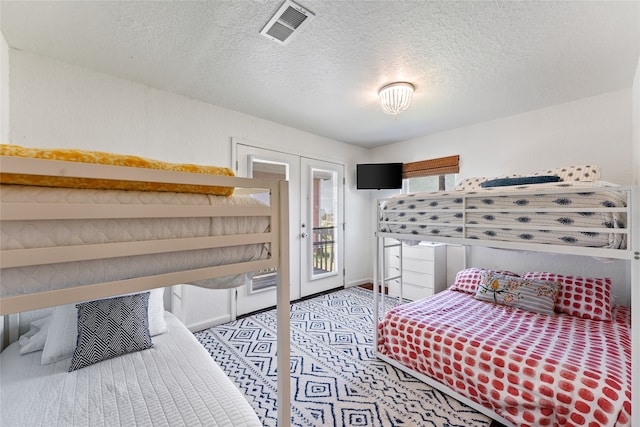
(316, 234)
(321, 227)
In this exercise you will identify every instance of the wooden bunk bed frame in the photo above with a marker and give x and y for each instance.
(631, 253)
(277, 236)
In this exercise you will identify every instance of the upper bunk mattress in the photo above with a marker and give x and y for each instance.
(26, 234)
(540, 213)
(530, 368)
(174, 383)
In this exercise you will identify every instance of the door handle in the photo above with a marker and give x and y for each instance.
(304, 235)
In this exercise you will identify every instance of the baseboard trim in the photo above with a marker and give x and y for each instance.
(206, 324)
(358, 283)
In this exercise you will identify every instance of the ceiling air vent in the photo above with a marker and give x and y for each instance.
(288, 19)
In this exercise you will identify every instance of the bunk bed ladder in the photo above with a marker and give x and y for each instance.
(387, 279)
(380, 277)
(633, 242)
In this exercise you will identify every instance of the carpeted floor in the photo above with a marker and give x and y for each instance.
(335, 378)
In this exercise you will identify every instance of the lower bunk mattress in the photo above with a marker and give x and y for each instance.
(27, 234)
(174, 383)
(531, 369)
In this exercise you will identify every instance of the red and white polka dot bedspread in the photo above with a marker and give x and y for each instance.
(532, 369)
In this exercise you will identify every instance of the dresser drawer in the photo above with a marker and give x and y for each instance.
(418, 279)
(424, 270)
(412, 264)
(418, 265)
(394, 261)
(424, 252)
(414, 277)
(410, 292)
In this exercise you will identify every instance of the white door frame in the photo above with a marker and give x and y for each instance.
(246, 298)
(312, 281)
(295, 219)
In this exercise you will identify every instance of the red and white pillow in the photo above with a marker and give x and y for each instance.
(589, 298)
(467, 280)
(585, 297)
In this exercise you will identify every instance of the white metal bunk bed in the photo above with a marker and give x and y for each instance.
(275, 238)
(458, 220)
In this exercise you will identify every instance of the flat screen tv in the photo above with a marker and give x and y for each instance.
(378, 176)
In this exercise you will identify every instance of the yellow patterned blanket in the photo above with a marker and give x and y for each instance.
(103, 158)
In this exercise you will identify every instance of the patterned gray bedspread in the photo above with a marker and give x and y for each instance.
(587, 214)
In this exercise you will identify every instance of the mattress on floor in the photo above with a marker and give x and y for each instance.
(175, 383)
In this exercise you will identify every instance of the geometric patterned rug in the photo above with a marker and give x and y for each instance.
(335, 378)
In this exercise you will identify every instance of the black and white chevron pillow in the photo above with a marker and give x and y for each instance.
(111, 327)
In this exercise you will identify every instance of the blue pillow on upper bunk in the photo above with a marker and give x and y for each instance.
(111, 327)
(524, 180)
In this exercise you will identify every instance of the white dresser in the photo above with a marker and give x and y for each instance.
(424, 270)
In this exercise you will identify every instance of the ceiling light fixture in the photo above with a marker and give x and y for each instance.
(396, 97)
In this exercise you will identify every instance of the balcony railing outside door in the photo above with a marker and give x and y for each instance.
(323, 250)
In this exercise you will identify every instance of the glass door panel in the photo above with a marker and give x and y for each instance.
(324, 213)
(322, 191)
(316, 232)
(265, 169)
(260, 292)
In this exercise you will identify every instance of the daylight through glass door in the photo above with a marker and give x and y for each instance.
(324, 208)
(264, 169)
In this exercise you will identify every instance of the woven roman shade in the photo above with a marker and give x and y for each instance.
(440, 166)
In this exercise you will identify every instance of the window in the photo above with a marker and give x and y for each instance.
(430, 175)
(429, 183)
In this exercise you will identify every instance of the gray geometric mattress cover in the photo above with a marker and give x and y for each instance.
(534, 213)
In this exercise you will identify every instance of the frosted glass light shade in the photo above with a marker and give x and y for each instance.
(396, 97)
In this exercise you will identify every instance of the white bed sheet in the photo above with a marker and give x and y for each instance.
(57, 233)
(175, 383)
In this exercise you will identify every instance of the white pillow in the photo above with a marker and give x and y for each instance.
(26, 317)
(574, 173)
(157, 324)
(63, 331)
(63, 328)
(34, 339)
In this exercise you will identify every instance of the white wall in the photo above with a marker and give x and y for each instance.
(635, 273)
(4, 136)
(595, 130)
(635, 157)
(4, 89)
(56, 104)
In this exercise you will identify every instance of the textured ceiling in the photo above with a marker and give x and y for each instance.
(470, 61)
